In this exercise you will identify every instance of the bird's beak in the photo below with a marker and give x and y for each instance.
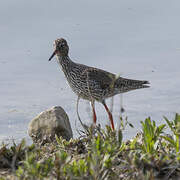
(53, 54)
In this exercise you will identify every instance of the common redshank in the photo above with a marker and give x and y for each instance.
(91, 83)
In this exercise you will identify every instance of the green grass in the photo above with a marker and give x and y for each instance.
(102, 154)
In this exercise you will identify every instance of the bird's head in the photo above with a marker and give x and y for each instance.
(61, 48)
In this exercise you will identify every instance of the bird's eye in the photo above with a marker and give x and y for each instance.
(62, 45)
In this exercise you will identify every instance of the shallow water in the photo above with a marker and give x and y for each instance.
(136, 39)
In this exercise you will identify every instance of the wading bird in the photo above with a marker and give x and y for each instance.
(91, 83)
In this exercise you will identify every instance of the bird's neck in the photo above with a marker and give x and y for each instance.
(65, 62)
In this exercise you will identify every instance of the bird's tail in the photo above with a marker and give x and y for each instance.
(125, 85)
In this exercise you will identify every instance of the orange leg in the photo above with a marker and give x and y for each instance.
(110, 115)
(94, 113)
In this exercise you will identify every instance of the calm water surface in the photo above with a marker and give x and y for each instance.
(136, 39)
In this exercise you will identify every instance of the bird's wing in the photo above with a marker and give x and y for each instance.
(99, 78)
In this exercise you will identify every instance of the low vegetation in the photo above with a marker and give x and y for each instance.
(99, 154)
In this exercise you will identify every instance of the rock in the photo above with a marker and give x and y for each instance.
(53, 121)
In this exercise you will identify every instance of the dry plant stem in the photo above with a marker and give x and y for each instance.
(110, 115)
(120, 118)
(120, 114)
(112, 104)
(122, 110)
(94, 113)
(121, 104)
